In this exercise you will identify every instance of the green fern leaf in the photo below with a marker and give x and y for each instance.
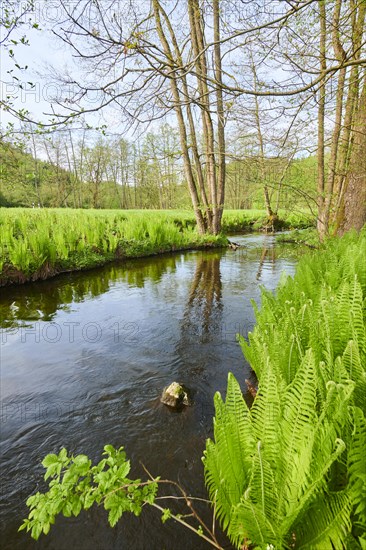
(326, 524)
(248, 523)
(357, 466)
(265, 413)
(227, 461)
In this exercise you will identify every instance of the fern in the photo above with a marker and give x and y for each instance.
(326, 530)
(356, 466)
(234, 434)
(264, 507)
(300, 479)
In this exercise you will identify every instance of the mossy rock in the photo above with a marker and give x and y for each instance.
(176, 396)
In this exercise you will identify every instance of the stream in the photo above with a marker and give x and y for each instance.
(84, 359)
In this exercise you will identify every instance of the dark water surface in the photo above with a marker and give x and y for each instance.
(84, 358)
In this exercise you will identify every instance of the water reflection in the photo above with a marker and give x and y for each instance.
(21, 305)
(268, 255)
(41, 301)
(204, 304)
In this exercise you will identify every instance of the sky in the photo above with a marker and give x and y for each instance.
(44, 50)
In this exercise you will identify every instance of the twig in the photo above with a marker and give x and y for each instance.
(189, 504)
(213, 542)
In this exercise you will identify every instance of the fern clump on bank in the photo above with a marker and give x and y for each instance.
(39, 243)
(290, 472)
(42, 242)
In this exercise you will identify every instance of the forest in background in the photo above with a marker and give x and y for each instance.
(252, 86)
(66, 170)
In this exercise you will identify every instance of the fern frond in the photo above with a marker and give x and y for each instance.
(326, 524)
(352, 364)
(266, 413)
(357, 312)
(218, 488)
(299, 414)
(357, 467)
(248, 523)
(262, 488)
(227, 461)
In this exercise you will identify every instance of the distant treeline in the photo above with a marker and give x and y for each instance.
(65, 171)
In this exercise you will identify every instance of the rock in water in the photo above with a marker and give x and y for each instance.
(175, 396)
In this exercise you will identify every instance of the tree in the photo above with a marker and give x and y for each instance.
(352, 210)
(150, 58)
(153, 59)
(346, 31)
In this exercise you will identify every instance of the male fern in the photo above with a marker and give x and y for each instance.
(290, 472)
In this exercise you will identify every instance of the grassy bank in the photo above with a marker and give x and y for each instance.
(39, 243)
(308, 237)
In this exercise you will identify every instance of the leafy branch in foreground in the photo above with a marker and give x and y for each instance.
(76, 485)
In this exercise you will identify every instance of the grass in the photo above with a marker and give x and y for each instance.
(308, 237)
(254, 220)
(38, 243)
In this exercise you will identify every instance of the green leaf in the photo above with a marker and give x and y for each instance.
(49, 459)
(89, 499)
(109, 449)
(114, 515)
(166, 515)
(36, 531)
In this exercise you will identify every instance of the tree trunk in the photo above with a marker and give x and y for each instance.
(352, 214)
(267, 200)
(221, 172)
(321, 116)
(198, 46)
(181, 125)
(340, 55)
(358, 21)
(193, 145)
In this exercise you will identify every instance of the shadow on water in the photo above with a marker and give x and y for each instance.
(85, 357)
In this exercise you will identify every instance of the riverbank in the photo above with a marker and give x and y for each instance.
(37, 244)
(307, 237)
(305, 434)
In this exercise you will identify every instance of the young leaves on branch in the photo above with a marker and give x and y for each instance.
(76, 485)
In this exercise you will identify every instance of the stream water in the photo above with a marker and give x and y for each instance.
(84, 359)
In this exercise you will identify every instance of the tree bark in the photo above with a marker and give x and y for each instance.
(358, 21)
(221, 175)
(340, 55)
(321, 116)
(352, 214)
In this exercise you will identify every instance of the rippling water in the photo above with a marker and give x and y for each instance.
(84, 358)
